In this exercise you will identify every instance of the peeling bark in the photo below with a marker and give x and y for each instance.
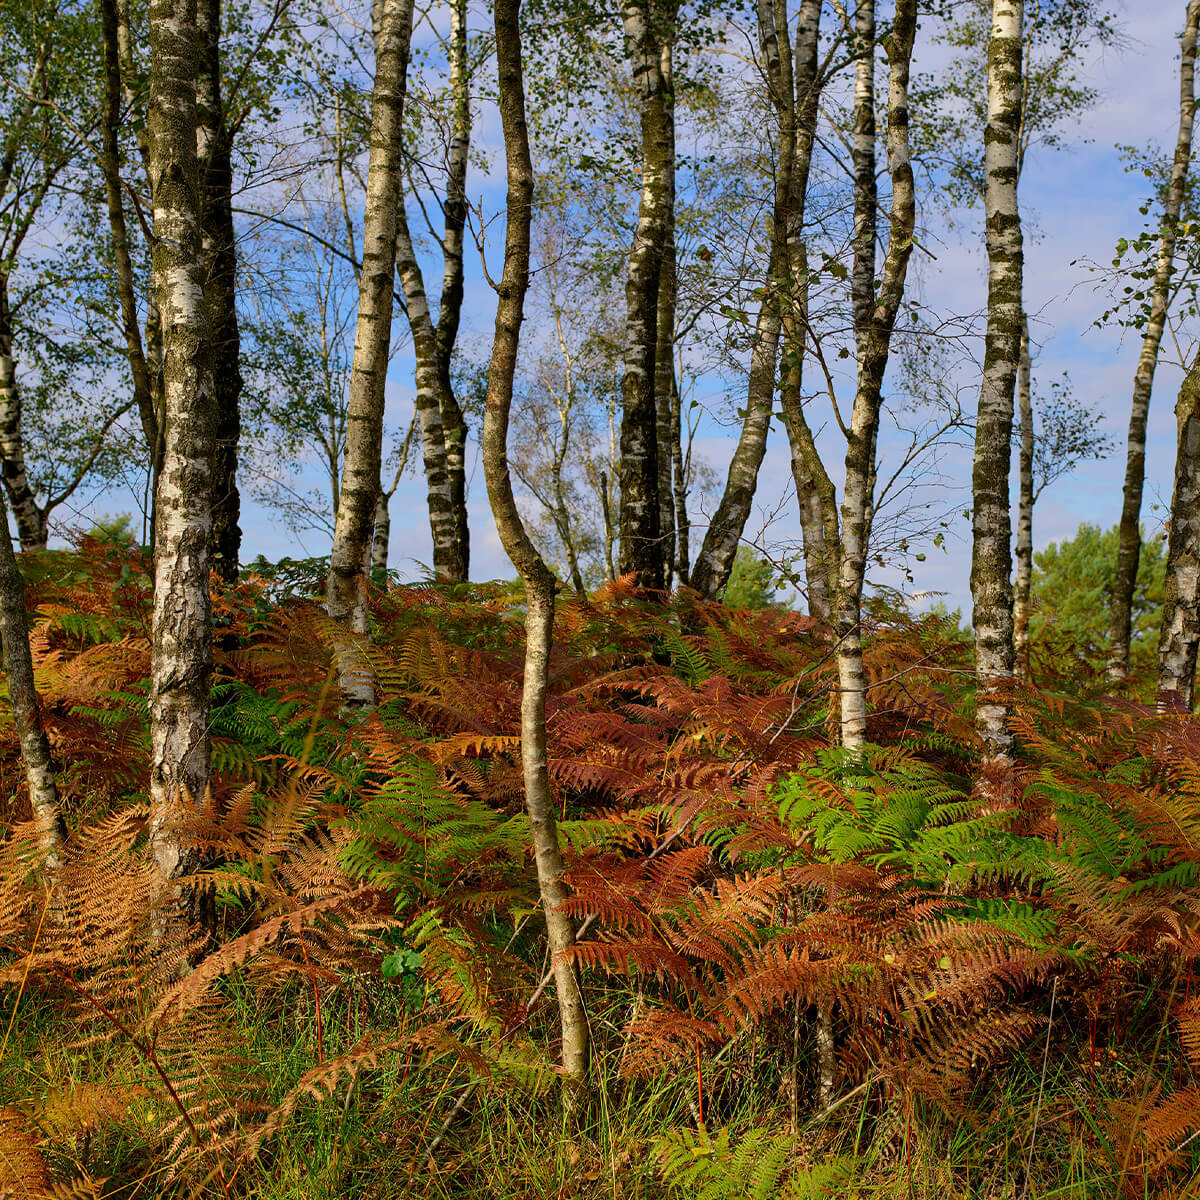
(991, 561)
(346, 587)
(538, 580)
(40, 769)
(1129, 545)
(1181, 596)
(874, 325)
(641, 535)
(181, 657)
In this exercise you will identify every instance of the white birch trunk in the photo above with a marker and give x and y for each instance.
(874, 345)
(991, 557)
(181, 658)
(346, 590)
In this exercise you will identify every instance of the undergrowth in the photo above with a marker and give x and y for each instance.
(1006, 954)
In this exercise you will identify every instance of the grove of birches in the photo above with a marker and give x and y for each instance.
(548, 645)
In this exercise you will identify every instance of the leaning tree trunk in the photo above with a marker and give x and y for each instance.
(1024, 588)
(214, 148)
(1129, 546)
(715, 560)
(346, 587)
(443, 428)
(538, 580)
(181, 658)
(1181, 597)
(874, 349)
(110, 161)
(22, 694)
(991, 562)
(641, 535)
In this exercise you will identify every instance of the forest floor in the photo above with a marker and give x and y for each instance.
(346, 998)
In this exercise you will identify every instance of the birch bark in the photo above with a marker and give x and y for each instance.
(1129, 545)
(641, 535)
(1181, 595)
(876, 322)
(181, 657)
(991, 561)
(443, 427)
(536, 576)
(346, 588)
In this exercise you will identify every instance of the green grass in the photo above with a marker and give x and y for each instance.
(373, 1140)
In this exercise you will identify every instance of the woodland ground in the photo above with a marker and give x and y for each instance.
(1007, 953)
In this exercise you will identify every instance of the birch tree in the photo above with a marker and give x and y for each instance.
(875, 318)
(349, 560)
(721, 539)
(991, 562)
(443, 427)
(181, 658)
(797, 108)
(646, 24)
(539, 582)
(1129, 546)
(1181, 596)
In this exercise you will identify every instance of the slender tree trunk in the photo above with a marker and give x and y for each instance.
(664, 353)
(797, 107)
(1181, 597)
(22, 693)
(31, 520)
(381, 540)
(454, 425)
(443, 427)
(448, 565)
(539, 582)
(991, 562)
(214, 145)
(1021, 601)
(724, 533)
(874, 345)
(111, 166)
(1129, 546)
(641, 535)
(679, 479)
(181, 658)
(346, 588)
